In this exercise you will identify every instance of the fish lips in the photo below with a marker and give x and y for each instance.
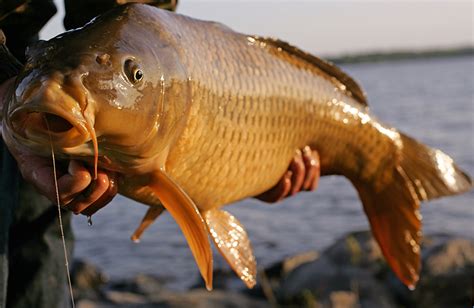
(40, 125)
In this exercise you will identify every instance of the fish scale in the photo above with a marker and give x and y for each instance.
(286, 91)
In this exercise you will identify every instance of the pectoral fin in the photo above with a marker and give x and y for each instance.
(151, 215)
(233, 243)
(187, 215)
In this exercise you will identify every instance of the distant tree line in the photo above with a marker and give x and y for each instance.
(402, 55)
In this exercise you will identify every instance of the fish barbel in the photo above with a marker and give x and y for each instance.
(195, 116)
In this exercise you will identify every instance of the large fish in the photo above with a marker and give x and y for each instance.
(195, 116)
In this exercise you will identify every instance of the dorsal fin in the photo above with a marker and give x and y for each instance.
(352, 87)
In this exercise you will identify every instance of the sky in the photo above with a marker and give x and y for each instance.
(333, 27)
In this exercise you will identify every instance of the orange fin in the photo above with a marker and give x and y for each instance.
(233, 243)
(423, 173)
(187, 215)
(151, 215)
(396, 224)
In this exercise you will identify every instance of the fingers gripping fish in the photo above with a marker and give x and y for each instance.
(195, 116)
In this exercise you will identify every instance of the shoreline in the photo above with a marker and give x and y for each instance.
(398, 55)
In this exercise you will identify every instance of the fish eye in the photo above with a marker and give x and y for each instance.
(132, 71)
(138, 75)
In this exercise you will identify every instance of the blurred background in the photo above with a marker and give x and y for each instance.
(430, 98)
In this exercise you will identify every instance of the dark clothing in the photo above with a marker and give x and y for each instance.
(9, 196)
(21, 20)
(32, 266)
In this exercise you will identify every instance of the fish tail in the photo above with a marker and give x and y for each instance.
(432, 173)
(393, 210)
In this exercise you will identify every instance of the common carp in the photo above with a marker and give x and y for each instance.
(195, 116)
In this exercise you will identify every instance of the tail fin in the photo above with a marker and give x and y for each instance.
(433, 173)
(393, 211)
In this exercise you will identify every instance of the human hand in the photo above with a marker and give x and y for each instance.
(77, 189)
(303, 174)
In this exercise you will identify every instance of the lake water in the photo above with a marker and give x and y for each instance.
(431, 100)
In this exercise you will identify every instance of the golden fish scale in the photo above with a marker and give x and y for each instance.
(253, 105)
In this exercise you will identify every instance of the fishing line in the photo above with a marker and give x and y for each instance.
(58, 202)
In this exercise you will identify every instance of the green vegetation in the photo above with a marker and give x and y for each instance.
(402, 55)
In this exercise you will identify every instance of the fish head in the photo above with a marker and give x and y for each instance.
(113, 89)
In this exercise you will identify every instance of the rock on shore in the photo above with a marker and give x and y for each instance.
(350, 273)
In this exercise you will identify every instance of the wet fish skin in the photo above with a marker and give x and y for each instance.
(218, 118)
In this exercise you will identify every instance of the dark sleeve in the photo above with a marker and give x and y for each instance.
(21, 20)
(9, 178)
(9, 198)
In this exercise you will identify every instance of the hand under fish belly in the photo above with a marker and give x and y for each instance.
(194, 116)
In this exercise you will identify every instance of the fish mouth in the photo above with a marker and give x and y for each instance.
(44, 126)
(58, 117)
